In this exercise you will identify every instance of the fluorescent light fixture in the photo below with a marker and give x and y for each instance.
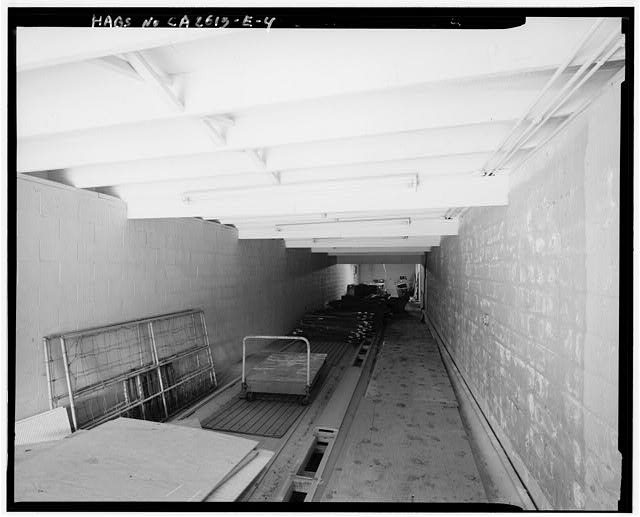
(320, 240)
(378, 184)
(366, 242)
(343, 222)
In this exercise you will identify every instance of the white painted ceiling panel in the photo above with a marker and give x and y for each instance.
(262, 129)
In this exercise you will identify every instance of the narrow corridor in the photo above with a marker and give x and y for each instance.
(407, 442)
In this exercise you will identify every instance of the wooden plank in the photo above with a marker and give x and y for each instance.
(233, 488)
(131, 460)
(192, 421)
(270, 417)
(334, 411)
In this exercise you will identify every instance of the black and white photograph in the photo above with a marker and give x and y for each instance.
(356, 258)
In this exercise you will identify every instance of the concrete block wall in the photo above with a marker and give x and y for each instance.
(526, 300)
(81, 263)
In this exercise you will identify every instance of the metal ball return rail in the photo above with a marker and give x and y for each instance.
(281, 373)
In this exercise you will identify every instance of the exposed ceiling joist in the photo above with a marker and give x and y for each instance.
(332, 140)
(199, 172)
(44, 47)
(436, 193)
(186, 144)
(355, 115)
(272, 72)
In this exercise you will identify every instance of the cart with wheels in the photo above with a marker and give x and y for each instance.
(283, 373)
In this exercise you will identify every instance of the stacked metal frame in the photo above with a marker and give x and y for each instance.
(147, 368)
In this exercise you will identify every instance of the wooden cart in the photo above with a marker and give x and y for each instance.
(283, 373)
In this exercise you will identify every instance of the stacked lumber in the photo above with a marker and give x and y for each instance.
(379, 305)
(350, 327)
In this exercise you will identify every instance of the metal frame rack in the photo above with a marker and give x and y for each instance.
(292, 386)
(124, 387)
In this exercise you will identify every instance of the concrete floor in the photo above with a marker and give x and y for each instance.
(410, 435)
(407, 442)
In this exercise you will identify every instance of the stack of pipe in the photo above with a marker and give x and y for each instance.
(376, 304)
(348, 326)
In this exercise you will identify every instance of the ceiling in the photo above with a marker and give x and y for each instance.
(348, 142)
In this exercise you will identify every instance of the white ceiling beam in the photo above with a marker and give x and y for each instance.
(366, 242)
(196, 173)
(381, 228)
(436, 193)
(336, 63)
(400, 250)
(43, 47)
(344, 117)
(327, 62)
(161, 84)
(189, 139)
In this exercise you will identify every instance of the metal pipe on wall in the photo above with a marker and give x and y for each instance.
(544, 90)
(47, 364)
(559, 100)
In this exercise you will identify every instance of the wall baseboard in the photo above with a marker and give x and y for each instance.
(519, 472)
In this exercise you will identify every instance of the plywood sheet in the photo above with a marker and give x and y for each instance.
(239, 481)
(43, 427)
(131, 460)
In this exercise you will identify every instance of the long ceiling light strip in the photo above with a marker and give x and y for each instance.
(401, 181)
(403, 221)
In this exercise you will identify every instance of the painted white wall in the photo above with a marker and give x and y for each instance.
(81, 263)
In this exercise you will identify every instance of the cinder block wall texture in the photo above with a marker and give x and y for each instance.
(526, 300)
(81, 263)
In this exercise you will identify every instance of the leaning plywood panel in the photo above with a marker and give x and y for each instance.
(131, 460)
(43, 427)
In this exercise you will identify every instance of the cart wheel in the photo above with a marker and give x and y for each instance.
(249, 396)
